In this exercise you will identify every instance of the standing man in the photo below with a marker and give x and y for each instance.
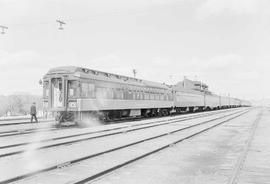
(33, 112)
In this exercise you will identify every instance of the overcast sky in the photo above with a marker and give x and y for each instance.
(224, 43)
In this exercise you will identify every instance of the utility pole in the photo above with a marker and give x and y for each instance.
(229, 99)
(184, 81)
(61, 23)
(134, 71)
(3, 28)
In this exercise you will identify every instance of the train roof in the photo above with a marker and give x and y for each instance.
(63, 69)
(105, 76)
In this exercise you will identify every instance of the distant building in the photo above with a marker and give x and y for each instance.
(193, 85)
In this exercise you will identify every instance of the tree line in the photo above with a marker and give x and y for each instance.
(18, 104)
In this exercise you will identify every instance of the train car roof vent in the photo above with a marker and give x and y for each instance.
(85, 70)
(93, 72)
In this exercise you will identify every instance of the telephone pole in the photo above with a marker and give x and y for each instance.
(3, 28)
(61, 23)
(134, 71)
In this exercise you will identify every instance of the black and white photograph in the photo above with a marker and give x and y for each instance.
(134, 91)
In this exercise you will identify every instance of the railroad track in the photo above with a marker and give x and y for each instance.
(34, 130)
(31, 131)
(193, 130)
(7, 123)
(107, 132)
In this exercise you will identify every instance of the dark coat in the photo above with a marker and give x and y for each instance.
(33, 110)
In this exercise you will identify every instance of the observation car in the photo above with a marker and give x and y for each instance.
(77, 93)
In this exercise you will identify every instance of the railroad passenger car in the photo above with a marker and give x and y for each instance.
(187, 100)
(77, 94)
(224, 102)
(195, 96)
(212, 101)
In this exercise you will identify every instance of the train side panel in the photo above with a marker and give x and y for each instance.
(185, 99)
(224, 101)
(212, 101)
(115, 104)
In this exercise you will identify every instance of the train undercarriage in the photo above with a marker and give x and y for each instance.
(107, 116)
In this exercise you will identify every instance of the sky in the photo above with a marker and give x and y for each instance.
(223, 43)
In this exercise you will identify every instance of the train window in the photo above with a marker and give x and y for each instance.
(138, 95)
(91, 91)
(134, 92)
(105, 93)
(170, 96)
(119, 94)
(87, 90)
(152, 97)
(146, 96)
(101, 92)
(134, 95)
(130, 95)
(161, 96)
(57, 92)
(114, 91)
(156, 96)
(73, 88)
(109, 93)
(166, 96)
(124, 94)
(71, 92)
(141, 95)
(84, 87)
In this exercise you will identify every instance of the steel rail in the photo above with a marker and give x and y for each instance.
(142, 126)
(110, 129)
(31, 130)
(25, 131)
(24, 176)
(18, 118)
(24, 122)
(98, 175)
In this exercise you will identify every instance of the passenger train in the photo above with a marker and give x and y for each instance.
(77, 94)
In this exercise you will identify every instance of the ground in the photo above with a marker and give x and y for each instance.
(208, 158)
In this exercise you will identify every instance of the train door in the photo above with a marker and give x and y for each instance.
(57, 93)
